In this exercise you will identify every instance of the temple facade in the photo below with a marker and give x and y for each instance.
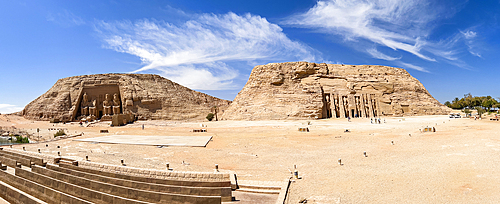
(303, 90)
(104, 96)
(337, 105)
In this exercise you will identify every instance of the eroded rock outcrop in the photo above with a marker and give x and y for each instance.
(144, 95)
(301, 90)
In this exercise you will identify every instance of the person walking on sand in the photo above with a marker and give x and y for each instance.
(348, 119)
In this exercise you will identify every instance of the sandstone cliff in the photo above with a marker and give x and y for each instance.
(301, 90)
(145, 95)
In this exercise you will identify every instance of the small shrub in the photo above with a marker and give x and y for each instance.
(210, 116)
(59, 133)
(21, 139)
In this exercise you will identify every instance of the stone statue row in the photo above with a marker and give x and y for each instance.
(109, 107)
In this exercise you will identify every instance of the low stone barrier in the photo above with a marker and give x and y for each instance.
(224, 192)
(35, 160)
(75, 190)
(23, 161)
(9, 162)
(46, 158)
(158, 174)
(149, 179)
(39, 191)
(126, 192)
(14, 196)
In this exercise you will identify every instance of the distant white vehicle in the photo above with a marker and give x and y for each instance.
(458, 115)
(455, 115)
(452, 115)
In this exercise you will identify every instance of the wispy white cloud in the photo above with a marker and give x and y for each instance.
(412, 66)
(8, 108)
(399, 25)
(65, 18)
(470, 40)
(391, 23)
(376, 54)
(469, 34)
(196, 52)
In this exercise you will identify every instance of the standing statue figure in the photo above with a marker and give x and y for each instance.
(92, 108)
(116, 104)
(84, 105)
(106, 104)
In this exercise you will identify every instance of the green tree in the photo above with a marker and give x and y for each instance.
(488, 103)
(59, 133)
(210, 116)
(21, 139)
(447, 103)
(467, 111)
(480, 111)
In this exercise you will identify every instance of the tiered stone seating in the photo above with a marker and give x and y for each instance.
(68, 183)
(9, 162)
(125, 192)
(145, 176)
(15, 196)
(23, 161)
(33, 160)
(38, 158)
(177, 189)
(34, 189)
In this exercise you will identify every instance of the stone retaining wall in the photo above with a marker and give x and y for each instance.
(39, 191)
(125, 192)
(152, 173)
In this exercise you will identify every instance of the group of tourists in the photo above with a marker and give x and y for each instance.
(377, 121)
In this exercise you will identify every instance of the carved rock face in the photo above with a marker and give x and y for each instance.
(301, 90)
(163, 99)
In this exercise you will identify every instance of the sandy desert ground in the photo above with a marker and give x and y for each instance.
(459, 163)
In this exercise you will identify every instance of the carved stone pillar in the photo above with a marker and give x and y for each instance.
(370, 105)
(362, 105)
(342, 106)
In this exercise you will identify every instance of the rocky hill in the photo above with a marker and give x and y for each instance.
(302, 90)
(144, 95)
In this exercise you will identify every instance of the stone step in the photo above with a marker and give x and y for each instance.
(37, 190)
(265, 191)
(268, 187)
(14, 195)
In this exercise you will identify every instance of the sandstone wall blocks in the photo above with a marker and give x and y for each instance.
(298, 90)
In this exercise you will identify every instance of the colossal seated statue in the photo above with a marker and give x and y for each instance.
(84, 105)
(116, 104)
(92, 111)
(106, 104)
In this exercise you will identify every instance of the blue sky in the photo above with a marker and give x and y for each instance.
(452, 47)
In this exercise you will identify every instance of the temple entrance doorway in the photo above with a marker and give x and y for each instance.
(326, 110)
